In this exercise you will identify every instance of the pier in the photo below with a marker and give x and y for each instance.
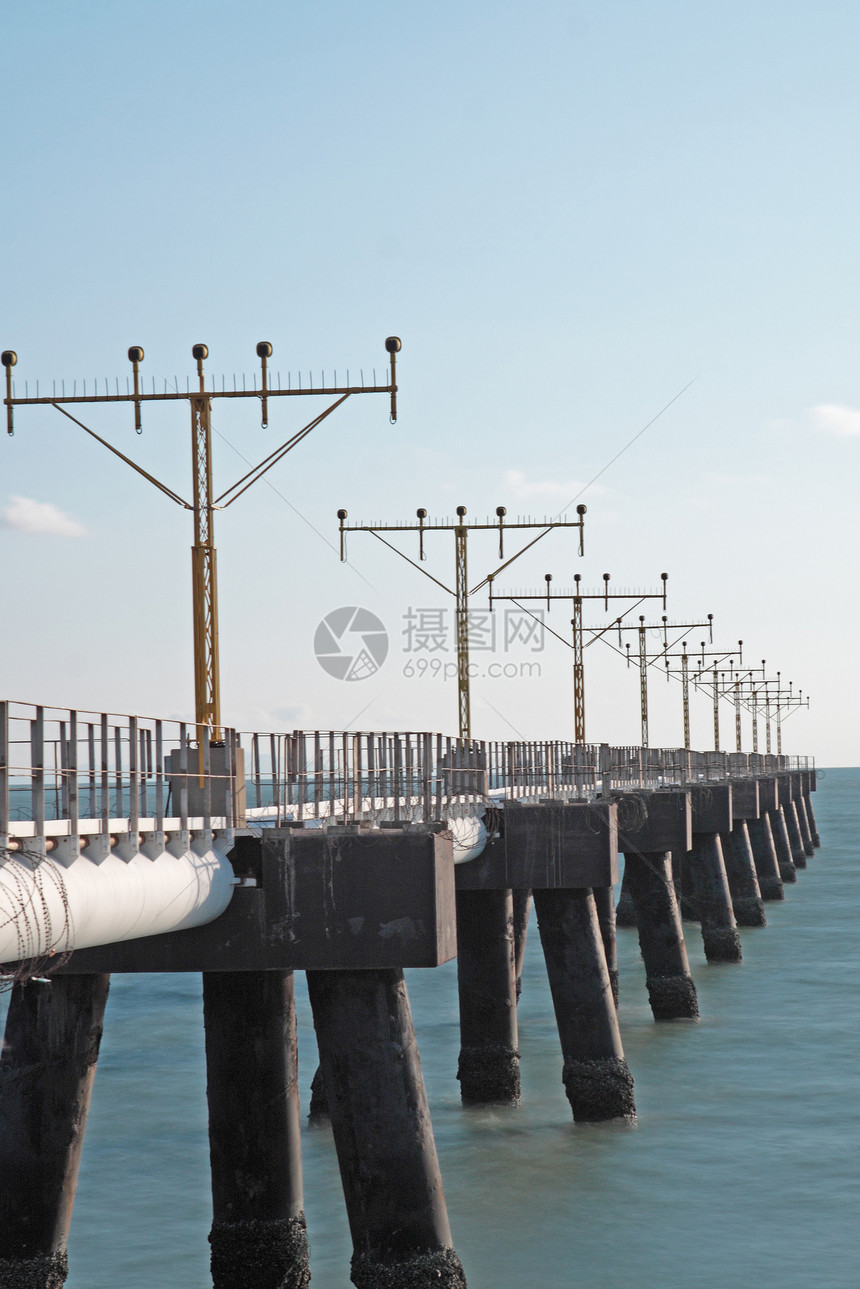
(350, 856)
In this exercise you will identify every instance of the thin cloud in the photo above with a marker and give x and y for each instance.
(28, 516)
(836, 419)
(521, 486)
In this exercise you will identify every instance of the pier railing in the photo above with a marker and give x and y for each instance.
(75, 773)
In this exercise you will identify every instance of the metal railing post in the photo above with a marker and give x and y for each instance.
(61, 780)
(37, 768)
(204, 735)
(159, 778)
(4, 773)
(230, 785)
(183, 777)
(104, 739)
(133, 797)
(397, 776)
(72, 769)
(605, 770)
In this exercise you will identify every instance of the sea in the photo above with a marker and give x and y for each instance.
(742, 1170)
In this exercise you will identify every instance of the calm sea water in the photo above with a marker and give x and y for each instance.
(743, 1169)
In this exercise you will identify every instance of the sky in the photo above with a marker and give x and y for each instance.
(582, 219)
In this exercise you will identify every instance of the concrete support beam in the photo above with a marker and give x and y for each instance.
(382, 1132)
(746, 799)
(258, 1237)
(489, 1065)
(671, 990)
(655, 822)
(556, 845)
(50, 1050)
(596, 1078)
(350, 897)
(768, 794)
(712, 807)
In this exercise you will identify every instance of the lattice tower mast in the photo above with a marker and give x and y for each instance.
(648, 659)
(577, 597)
(769, 696)
(461, 590)
(730, 685)
(682, 671)
(207, 686)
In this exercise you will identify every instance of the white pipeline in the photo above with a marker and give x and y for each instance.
(470, 837)
(48, 906)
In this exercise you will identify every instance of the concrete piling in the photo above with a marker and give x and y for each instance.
(671, 990)
(805, 830)
(711, 899)
(258, 1237)
(318, 1107)
(50, 1050)
(746, 894)
(489, 1065)
(751, 797)
(604, 902)
(787, 868)
(683, 885)
(522, 913)
(795, 841)
(596, 1077)
(808, 780)
(771, 853)
(625, 913)
(382, 1131)
(765, 858)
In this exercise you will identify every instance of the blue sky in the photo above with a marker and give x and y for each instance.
(567, 211)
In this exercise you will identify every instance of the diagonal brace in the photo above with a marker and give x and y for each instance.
(168, 492)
